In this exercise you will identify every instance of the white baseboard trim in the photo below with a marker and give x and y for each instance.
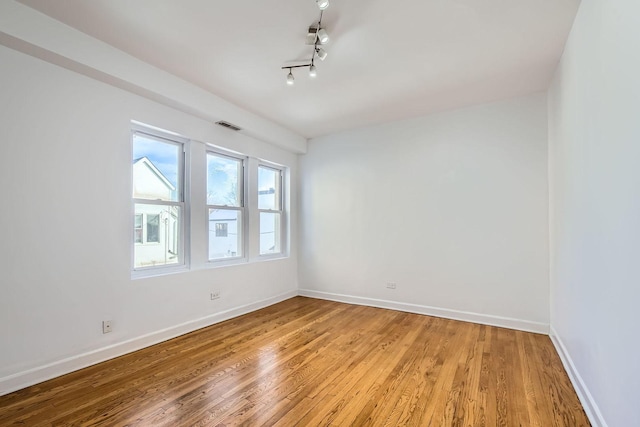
(588, 403)
(39, 374)
(484, 319)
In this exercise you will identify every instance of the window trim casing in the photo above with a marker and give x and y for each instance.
(183, 192)
(243, 208)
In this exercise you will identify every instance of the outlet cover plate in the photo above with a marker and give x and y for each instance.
(106, 326)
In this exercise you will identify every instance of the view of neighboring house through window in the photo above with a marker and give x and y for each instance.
(270, 208)
(225, 205)
(222, 229)
(158, 191)
(137, 228)
(238, 230)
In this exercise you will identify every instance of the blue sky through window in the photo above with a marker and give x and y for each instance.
(223, 180)
(164, 155)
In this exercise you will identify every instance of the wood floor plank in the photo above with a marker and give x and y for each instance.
(313, 362)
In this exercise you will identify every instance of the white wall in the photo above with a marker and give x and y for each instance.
(27, 30)
(65, 257)
(594, 150)
(452, 207)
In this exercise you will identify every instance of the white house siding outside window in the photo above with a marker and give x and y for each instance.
(158, 199)
(225, 205)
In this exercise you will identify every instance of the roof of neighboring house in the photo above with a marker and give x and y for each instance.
(155, 170)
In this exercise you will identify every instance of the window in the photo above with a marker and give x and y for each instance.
(158, 199)
(225, 206)
(137, 229)
(241, 197)
(222, 229)
(270, 209)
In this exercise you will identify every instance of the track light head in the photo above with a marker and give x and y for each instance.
(323, 36)
(322, 54)
(290, 79)
(322, 4)
(312, 71)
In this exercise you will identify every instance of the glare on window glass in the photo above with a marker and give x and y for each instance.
(269, 233)
(223, 181)
(268, 188)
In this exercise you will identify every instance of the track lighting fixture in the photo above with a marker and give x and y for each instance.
(322, 54)
(291, 79)
(322, 4)
(323, 36)
(316, 35)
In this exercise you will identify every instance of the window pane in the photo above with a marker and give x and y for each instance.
(155, 169)
(222, 229)
(153, 228)
(270, 233)
(224, 182)
(162, 243)
(268, 188)
(137, 229)
(225, 233)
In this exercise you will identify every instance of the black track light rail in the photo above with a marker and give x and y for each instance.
(315, 52)
(297, 66)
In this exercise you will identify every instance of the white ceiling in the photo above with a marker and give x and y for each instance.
(388, 60)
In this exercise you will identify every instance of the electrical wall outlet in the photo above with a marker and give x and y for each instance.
(215, 295)
(106, 326)
(391, 285)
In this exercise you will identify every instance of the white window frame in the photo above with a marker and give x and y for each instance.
(181, 203)
(243, 209)
(283, 221)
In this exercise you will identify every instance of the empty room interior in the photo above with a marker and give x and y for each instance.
(312, 212)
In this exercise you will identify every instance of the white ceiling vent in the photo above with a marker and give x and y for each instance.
(228, 125)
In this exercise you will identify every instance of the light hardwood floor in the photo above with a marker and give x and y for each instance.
(310, 362)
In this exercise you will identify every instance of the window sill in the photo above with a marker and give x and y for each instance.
(165, 271)
(245, 261)
(224, 262)
(159, 271)
(270, 257)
